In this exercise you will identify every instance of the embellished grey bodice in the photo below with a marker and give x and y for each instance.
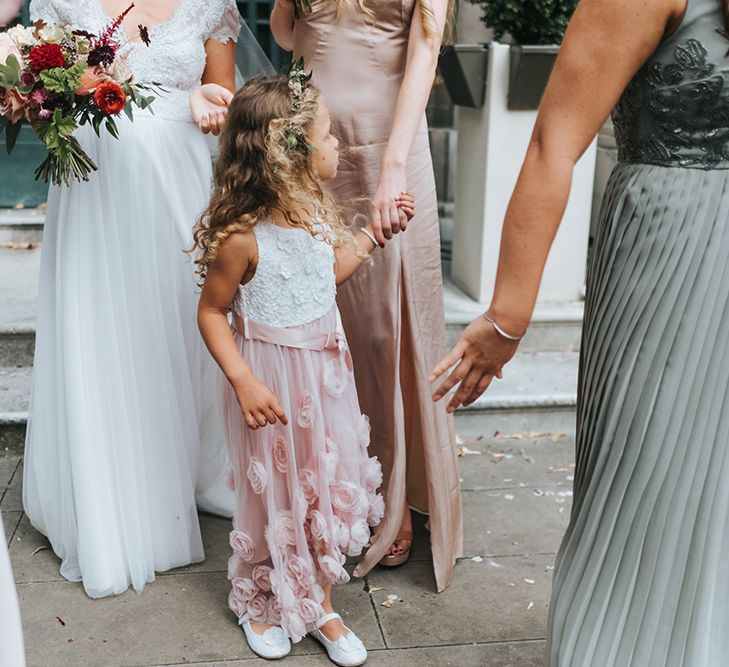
(675, 112)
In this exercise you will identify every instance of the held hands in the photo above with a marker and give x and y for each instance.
(386, 216)
(258, 404)
(482, 353)
(209, 105)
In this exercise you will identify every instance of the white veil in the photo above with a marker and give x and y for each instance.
(250, 59)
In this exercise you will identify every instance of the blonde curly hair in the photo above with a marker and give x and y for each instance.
(260, 169)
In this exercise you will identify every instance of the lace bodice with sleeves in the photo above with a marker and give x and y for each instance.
(175, 57)
(294, 282)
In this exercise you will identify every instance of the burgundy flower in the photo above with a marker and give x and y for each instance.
(144, 34)
(102, 55)
(27, 78)
(46, 56)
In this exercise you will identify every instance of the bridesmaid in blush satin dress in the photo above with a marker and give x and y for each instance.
(374, 63)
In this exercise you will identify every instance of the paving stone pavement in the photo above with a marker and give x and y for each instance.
(516, 499)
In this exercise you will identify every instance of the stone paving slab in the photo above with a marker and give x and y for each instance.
(180, 618)
(508, 654)
(487, 601)
(493, 615)
(12, 499)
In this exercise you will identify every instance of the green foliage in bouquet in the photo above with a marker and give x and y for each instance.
(529, 22)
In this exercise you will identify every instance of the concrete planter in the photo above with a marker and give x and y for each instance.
(492, 143)
(463, 67)
(530, 67)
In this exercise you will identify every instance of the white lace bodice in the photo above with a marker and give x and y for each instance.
(294, 281)
(175, 58)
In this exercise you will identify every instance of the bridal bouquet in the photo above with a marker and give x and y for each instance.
(56, 79)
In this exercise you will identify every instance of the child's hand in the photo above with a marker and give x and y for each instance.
(259, 405)
(406, 203)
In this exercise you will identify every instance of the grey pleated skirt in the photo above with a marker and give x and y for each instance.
(642, 578)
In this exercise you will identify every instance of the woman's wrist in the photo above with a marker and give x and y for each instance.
(508, 325)
(367, 231)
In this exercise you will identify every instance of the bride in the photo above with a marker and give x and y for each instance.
(122, 433)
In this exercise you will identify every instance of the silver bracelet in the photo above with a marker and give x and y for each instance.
(370, 236)
(499, 330)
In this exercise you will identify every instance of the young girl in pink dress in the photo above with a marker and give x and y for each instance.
(272, 249)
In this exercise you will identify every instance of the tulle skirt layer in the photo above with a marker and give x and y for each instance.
(123, 389)
(305, 491)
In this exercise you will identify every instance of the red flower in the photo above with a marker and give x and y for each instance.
(110, 98)
(46, 56)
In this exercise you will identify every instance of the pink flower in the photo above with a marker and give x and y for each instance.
(360, 533)
(333, 570)
(12, 105)
(341, 533)
(301, 571)
(377, 509)
(318, 527)
(316, 593)
(293, 624)
(262, 577)
(372, 474)
(285, 530)
(330, 459)
(45, 114)
(91, 79)
(236, 604)
(244, 588)
(336, 378)
(363, 431)
(257, 475)
(280, 455)
(273, 611)
(306, 411)
(39, 96)
(242, 545)
(345, 496)
(310, 611)
(308, 482)
(282, 591)
(258, 609)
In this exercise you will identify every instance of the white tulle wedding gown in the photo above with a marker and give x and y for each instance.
(124, 431)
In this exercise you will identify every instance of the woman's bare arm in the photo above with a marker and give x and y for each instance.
(420, 68)
(282, 24)
(606, 44)
(209, 102)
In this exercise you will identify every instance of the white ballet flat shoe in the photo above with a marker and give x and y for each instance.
(347, 651)
(271, 645)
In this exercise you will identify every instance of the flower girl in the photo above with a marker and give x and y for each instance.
(272, 249)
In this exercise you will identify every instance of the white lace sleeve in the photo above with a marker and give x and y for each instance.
(46, 11)
(225, 21)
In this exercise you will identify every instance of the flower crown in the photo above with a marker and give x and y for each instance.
(298, 89)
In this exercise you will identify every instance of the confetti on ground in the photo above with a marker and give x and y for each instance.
(465, 451)
(39, 549)
(559, 501)
(538, 492)
(374, 590)
(552, 469)
(497, 456)
(393, 598)
(14, 245)
(61, 621)
(508, 496)
(526, 456)
(570, 478)
(548, 568)
(531, 582)
(493, 563)
(477, 559)
(530, 606)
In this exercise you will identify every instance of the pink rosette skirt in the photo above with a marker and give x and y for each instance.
(306, 492)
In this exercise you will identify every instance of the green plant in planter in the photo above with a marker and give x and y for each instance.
(529, 22)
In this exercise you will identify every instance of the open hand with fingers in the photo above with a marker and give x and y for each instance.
(480, 355)
(209, 106)
(258, 403)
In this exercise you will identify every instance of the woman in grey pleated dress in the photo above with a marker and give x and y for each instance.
(642, 577)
